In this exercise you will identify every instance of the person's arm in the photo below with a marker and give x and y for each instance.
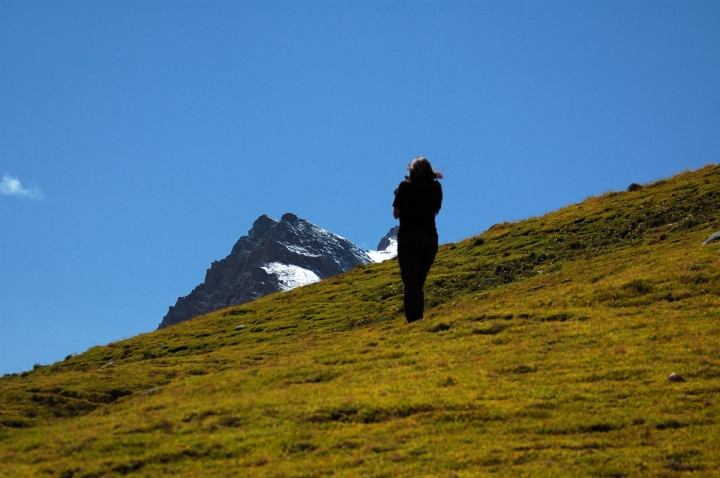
(396, 213)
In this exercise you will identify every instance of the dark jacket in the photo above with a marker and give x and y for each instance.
(418, 203)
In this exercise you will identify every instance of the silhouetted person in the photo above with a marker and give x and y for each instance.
(417, 202)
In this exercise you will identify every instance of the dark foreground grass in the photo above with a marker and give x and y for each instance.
(545, 351)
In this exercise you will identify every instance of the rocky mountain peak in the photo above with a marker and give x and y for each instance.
(390, 240)
(289, 217)
(262, 224)
(274, 256)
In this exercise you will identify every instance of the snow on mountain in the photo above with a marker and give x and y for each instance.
(387, 248)
(290, 276)
(389, 253)
(300, 250)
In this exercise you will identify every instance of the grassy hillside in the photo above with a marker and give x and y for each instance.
(545, 351)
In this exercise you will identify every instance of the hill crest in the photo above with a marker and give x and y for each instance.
(545, 351)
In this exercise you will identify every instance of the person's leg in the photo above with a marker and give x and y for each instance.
(427, 255)
(411, 272)
(429, 247)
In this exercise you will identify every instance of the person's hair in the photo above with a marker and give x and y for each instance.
(422, 172)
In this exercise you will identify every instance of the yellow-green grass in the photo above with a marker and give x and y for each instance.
(545, 351)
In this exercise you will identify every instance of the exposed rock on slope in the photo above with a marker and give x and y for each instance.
(713, 238)
(274, 256)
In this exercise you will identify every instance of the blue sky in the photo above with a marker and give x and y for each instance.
(140, 139)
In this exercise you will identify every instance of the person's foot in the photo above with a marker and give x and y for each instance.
(413, 320)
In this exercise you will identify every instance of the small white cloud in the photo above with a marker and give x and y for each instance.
(11, 186)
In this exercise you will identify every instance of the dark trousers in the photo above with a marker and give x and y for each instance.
(416, 253)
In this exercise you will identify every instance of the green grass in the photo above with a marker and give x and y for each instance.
(545, 351)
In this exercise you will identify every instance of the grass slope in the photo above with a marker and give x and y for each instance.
(545, 352)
